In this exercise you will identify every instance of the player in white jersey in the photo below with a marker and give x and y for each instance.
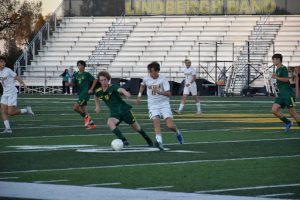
(9, 96)
(158, 92)
(189, 87)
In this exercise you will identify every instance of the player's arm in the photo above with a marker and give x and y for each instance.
(166, 89)
(97, 104)
(21, 82)
(93, 86)
(283, 78)
(139, 97)
(124, 92)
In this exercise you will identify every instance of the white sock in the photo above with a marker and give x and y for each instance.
(6, 124)
(181, 107)
(24, 110)
(198, 107)
(158, 138)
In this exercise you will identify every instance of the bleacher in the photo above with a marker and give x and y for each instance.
(168, 40)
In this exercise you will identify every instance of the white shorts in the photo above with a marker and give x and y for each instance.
(162, 112)
(191, 89)
(9, 100)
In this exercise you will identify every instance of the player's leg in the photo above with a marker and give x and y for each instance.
(183, 101)
(168, 117)
(276, 111)
(292, 110)
(4, 115)
(12, 107)
(196, 98)
(112, 124)
(136, 126)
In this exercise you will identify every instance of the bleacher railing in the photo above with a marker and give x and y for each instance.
(31, 50)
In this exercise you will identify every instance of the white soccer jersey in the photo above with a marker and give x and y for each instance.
(188, 74)
(162, 84)
(7, 78)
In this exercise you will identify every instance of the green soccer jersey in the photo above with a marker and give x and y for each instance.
(113, 100)
(285, 89)
(83, 82)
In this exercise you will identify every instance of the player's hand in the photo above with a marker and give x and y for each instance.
(274, 76)
(138, 100)
(187, 85)
(90, 91)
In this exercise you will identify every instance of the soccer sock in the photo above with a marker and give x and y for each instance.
(181, 107)
(6, 124)
(82, 115)
(285, 120)
(143, 133)
(298, 123)
(24, 110)
(158, 138)
(198, 107)
(119, 134)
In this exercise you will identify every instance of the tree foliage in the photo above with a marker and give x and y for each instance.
(19, 22)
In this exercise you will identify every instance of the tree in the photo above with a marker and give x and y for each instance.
(18, 24)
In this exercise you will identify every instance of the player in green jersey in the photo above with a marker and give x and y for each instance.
(85, 84)
(119, 109)
(286, 96)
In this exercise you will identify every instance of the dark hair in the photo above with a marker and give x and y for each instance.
(2, 58)
(105, 74)
(154, 65)
(277, 56)
(81, 62)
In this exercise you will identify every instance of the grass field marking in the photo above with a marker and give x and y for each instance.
(248, 188)
(5, 178)
(149, 164)
(138, 148)
(101, 184)
(52, 181)
(155, 188)
(276, 195)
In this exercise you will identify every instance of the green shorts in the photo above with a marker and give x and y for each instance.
(83, 99)
(286, 102)
(127, 117)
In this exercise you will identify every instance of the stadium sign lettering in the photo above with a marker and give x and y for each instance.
(199, 7)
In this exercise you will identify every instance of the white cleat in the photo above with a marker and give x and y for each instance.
(29, 111)
(7, 131)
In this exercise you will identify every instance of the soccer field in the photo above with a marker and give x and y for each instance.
(235, 148)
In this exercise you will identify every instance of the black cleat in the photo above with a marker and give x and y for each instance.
(159, 145)
(149, 141)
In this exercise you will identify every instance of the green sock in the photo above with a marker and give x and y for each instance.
(119, 134)
(298, 123)
(82, 114)
(285, 120)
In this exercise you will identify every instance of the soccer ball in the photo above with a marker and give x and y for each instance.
(117, 145)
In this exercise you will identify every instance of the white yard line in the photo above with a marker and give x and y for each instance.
(277, 195)
(5, 178)
(154, 188)
(248, 188)
(52, 181)
(149, 164)
(102, 184)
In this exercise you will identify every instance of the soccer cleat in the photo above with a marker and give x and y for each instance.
(87, 120)
(126, 143)
(178, 112)
(159, 145)
(91, 126)
(7, 131)
(179, 137)
(149, 141)
(29, 111)
(288, 126)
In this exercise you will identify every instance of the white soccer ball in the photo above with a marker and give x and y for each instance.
(117, 145)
